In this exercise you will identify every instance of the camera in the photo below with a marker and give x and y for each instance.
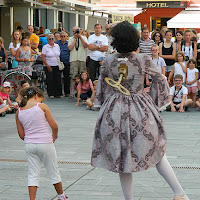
(77, 31)
(186, 58)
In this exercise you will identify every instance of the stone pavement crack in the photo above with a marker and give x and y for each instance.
(75, 182)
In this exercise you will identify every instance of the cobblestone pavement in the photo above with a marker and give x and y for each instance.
(83, 182)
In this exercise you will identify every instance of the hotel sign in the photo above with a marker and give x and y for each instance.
(161, 4)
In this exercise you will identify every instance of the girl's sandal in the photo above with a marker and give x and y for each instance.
(71, 96)
(179, 198)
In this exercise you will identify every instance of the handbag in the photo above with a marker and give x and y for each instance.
(61, 66)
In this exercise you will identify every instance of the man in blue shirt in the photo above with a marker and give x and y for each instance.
(64, 57)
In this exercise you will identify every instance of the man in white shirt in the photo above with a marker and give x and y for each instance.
(78, 53)
(110, 39)
(178, 96)
(98, 46)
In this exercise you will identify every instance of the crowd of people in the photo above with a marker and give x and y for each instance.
(178, 59)
(72, 64)
(129, 134)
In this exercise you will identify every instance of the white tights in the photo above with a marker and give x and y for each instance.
(164, 169)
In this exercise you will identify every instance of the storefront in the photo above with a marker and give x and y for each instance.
(156, 13)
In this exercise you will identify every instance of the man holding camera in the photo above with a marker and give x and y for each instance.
(78, 53)
(98, 45)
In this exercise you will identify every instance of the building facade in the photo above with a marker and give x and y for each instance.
(50, 14)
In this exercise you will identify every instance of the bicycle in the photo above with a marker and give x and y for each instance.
(15, 77)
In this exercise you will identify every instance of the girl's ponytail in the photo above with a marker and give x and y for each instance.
(28, 93)
(23, 101)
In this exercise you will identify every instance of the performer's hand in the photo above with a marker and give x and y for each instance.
(148, 83)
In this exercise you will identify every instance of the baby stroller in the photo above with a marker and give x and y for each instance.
(38, 73)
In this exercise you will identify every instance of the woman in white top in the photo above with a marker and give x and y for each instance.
(14, 45)
(188, 47)
(50, 57)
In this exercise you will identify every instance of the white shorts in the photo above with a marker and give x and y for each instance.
(2, 105)
(168, 68)
(38, 154)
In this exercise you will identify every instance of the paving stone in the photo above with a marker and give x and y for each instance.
(82, 181)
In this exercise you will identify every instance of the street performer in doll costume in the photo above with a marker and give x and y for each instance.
(129, 134)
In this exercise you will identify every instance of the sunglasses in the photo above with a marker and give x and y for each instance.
(157, 35)
(177, 80)
(63, 36)
(108, 29)
(51, 39)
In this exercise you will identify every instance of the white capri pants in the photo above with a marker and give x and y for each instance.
(38, 154)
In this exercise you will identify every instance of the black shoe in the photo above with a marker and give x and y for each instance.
(168, 108)
(185, 108)
(3, 114)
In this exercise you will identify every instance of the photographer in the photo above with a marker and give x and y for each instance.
(78, 53)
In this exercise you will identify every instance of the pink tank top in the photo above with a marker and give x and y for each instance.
(35, 125)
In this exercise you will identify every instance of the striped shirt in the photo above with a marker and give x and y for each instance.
(145, 46)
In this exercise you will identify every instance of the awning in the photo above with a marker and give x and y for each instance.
(185, 19)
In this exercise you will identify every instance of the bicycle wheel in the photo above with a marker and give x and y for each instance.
(15, 78)
(42, 81)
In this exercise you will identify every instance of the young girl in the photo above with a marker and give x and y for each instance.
(14, 45)
(4, 97)
(90, 101)
(23, 56)
(168, 52)
(191, 80)
(85, 87)
(32, 121)
(179, 67)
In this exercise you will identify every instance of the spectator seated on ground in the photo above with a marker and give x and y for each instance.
(77, 80)
(90, 101)
(178, 96)
(198, 101)
(23, 84)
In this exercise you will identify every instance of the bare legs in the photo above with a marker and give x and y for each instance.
(193, 97)
(33, 189)
(32, 192)
(58, 188)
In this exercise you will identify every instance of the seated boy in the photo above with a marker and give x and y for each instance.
(178, 96)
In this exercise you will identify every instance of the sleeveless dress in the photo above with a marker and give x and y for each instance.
(129, 134)
(25, 67)
(168, 51)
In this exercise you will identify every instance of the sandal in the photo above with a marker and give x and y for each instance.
(51, 97)
(63, 198)
(71, 96)
(179, 198)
